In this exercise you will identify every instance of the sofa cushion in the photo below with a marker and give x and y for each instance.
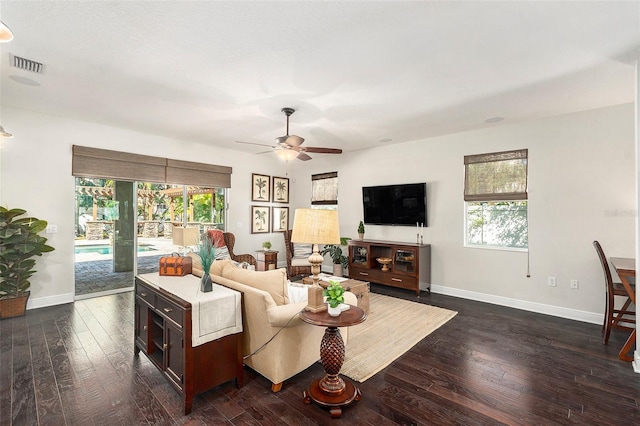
(274, 281)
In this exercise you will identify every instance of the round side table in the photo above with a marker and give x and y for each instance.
(333, 391)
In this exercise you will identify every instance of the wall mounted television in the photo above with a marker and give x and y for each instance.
(403, 204)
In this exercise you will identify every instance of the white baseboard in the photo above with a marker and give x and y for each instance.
(42, 302)
(556, 311)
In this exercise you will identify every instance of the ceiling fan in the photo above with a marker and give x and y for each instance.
(288, 146)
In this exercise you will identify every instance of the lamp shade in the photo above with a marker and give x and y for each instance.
(316, 226)
(184, 237)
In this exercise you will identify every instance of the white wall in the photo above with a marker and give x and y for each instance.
(581, 188)
(35, 170)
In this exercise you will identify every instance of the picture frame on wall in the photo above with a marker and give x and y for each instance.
(280, 190)
(260, 187)
(280, 217)
(260, 219)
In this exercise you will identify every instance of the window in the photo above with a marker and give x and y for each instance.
(495, 194)
(324, 189)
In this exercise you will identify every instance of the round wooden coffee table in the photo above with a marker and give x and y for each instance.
(333, 391)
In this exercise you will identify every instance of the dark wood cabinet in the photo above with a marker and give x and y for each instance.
(409, 264)
(163, 332)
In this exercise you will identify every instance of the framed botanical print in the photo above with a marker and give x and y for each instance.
(260, 189)
(260, 219)
(280, 217)
(280, 189)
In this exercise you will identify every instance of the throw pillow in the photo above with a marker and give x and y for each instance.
(217, 237)
(302, 251)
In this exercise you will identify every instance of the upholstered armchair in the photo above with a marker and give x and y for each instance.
(295, 266)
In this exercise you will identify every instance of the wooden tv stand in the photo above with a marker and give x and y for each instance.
(410, 266)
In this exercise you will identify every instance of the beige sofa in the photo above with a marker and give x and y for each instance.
(277, 343)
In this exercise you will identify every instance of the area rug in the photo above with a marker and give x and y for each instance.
(392, 327)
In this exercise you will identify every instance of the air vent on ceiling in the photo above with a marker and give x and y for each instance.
(27, 64)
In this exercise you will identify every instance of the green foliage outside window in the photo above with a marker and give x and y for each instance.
(497, 224)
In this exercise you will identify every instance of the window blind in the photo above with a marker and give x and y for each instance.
(107, 164)
(324, 188)
(496, 176)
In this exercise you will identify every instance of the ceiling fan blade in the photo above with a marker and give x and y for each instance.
(322, 150)
(294, 140)
(304, 157)
(253, 143)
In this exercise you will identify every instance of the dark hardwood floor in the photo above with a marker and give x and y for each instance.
(74, 364)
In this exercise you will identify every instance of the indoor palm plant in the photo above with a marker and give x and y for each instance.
(19, 242)
(334, 294)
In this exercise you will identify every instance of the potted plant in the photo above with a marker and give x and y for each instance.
(361, 230)
(207, 253)
(334, 294)
(340, 261)
(19, 242)
(266, 245)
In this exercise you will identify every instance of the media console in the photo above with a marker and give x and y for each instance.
(410, 266)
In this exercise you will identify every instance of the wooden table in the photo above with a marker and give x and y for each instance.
(266, 260)
(333, 391)
(626, 268)
(359, 288)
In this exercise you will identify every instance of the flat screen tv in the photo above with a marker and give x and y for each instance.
(403, 204)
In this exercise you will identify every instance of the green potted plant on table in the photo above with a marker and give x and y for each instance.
(361, 230)
(207, 253)
(266, 245)
(19, 242)
(334, 294)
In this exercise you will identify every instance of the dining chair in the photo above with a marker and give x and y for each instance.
(613, 318)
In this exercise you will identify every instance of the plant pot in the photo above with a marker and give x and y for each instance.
(338, 271)
(13, 306)
(205, 283)
(334, 312)
(361, 236)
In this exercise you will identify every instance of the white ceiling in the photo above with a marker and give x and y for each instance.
(356, 72)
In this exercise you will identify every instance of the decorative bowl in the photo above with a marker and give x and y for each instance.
(385, 262)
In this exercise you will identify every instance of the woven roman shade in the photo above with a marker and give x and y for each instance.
(324, 188)
(107, 164)
(496, 176)
(199, 174)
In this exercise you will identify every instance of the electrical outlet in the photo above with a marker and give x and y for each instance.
(574, 284)
(51, 229)
(551, 281)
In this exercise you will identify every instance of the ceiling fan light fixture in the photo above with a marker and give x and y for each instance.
(4, 133)
(5, 33)
(286, 154)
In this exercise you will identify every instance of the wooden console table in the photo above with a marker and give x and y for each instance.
(410, 266)
(164, 326)
(333, 391)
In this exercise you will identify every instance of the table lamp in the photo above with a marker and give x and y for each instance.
(184, 237)
(315, 226)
